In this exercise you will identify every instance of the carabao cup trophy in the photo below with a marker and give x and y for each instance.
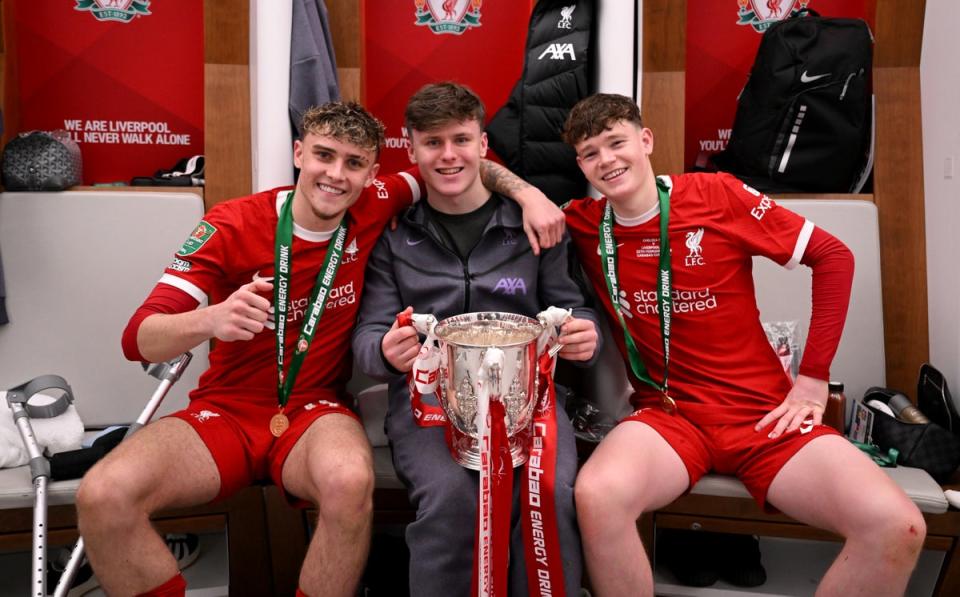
(492, 373)
(482, 357)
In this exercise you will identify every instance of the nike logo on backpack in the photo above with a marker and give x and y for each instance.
(805, 78)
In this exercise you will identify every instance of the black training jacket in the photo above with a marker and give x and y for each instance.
(557, 74)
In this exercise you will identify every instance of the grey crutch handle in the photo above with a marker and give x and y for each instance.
(18, 398)
(24, 392)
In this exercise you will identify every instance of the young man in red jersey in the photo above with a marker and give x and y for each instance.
(674, 253)
(282, 272)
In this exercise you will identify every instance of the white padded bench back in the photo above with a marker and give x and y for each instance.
(76, 265)
(785, 295)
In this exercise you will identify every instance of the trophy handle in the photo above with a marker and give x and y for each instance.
(424, 322)
(427, 364)
(551, 318)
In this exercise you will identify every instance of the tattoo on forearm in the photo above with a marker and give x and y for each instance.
(498, 179)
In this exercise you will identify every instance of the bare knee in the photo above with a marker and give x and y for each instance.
(897, 533)
(345, 492)
(903, 534)
(107, 496)
(602, 497)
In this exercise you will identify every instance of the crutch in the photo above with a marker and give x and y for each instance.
(18, 398)
(168, 373)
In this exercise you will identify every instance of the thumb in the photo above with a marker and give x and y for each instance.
(262, 284)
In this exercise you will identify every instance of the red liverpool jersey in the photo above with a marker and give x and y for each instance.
(719, 354)
(234, 244)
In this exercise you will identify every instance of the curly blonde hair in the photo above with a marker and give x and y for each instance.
(345, 121)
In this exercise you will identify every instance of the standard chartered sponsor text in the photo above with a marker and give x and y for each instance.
(645, 302)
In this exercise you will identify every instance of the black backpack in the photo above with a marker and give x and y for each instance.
(804, 117)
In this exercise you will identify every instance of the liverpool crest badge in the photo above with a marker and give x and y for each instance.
(760, 14)
(122, 11)
(448, 16)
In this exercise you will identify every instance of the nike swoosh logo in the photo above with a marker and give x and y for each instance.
(805, 78)
(257, 276)
(414, 243)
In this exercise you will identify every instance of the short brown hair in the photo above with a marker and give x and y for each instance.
(595, 114)
(436, 104)
(344, 121)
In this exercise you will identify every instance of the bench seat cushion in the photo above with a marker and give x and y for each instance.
(16, 489)
(915, 482)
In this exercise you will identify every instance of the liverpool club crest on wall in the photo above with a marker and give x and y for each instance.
(448, 16)
(760, 14)
(122, 11)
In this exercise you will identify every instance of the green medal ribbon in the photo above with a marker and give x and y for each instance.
(608, 261)
(888, 460)
(283, 268)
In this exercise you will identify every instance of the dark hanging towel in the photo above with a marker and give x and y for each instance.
(313, 65)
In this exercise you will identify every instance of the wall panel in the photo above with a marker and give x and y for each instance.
(226, 99)
(227, 130)
(898, 193)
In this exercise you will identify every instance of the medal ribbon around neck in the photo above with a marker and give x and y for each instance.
(283, 268)
(608, 261)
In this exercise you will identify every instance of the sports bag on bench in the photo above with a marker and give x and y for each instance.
(922, 445)
(804, 117)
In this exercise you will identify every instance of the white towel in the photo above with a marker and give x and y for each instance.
(56, 434)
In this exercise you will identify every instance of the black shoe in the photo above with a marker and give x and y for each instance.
(688, 555)
(739, 557)
(184, 547)
(83, 582)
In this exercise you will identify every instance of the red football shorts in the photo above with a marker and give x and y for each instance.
(730, 449)
(240, 441)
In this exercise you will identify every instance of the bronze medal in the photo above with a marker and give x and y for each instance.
(278, 424)
(668, 404)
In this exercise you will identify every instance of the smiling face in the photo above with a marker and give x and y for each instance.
(449, 158)
(617, 161)
(333, 173)
(447, 141)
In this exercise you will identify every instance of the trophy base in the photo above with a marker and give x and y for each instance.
(468, 456)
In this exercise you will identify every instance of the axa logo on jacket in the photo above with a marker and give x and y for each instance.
(511, 286)
(558, 52)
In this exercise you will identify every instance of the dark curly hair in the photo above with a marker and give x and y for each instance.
(595, 114)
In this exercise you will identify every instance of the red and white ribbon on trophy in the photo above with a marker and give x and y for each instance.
(538, 510)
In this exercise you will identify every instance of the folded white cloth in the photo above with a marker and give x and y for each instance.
(953, 497)
(56, 434)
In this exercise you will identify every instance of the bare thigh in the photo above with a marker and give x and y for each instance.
(634, 463)
(163, 465)
(334, 446)
(830, 484)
